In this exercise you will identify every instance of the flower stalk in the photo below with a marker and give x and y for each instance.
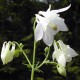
(44, 60)
(34, 52)
(24, 54)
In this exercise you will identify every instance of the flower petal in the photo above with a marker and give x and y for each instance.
(71, 52)
(49, 13)
(8, 58)
(59, 22)
(48, 36)
(3, 48)
(49, 8)
(62, 45)
(13, 49)
(61, 60)
(6, 49)
(68, 59)
(38, 32)
(42, 20)
(56, 54)
(60, 10)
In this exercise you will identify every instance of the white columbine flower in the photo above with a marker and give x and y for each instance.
(63, 53)
(48, 24)
(7, 52)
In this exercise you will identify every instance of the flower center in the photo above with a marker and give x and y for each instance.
(53, 26)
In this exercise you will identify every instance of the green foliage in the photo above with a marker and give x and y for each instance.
(8, 69)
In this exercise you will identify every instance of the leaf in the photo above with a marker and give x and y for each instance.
(38, 70)
(17, 52)
(28, 66)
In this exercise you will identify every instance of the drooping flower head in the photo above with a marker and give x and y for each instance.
(63, 53)
(48, 24)
(7, 52)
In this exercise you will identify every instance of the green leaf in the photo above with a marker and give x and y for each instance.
(28, 66)
(38, 70)
(17, 52)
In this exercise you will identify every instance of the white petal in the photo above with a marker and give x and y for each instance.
(40, 18)
(6, 49)
(38, 32)
(48, 39)
(61, 60)
(49, 8)
(62, 45)
(53, 27)
(43, 13)
(3, 48)
(48, 36)
(61, 10)
(49, 13)
(8, 58)
(71, 52)
(54, 55)
(55, 46)
(59, 22)
(56, 52)
(13, 49)
(69, 59)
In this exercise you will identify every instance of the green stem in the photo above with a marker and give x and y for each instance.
(32, 73)
(24, 54)
(54, 63)
(44, 60)
(34, 52)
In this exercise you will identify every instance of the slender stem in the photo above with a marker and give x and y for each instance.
(54, 63)
(32, 73)
(44, 60)
(34, 52)
(24, 54)
(27, 58)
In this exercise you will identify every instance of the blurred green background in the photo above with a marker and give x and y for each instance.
(16, 21)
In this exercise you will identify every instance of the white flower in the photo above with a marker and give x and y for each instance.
(48, 24)
(63, 53)
(7, 52)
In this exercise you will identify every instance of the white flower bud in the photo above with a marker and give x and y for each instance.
(7, 53)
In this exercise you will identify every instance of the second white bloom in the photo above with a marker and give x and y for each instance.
(63, 53)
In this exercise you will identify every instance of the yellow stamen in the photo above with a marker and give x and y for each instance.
(53, 26)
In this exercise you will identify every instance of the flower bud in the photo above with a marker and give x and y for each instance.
(7, 52)
(61, 70)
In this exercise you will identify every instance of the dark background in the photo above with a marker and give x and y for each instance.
(16, 24)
